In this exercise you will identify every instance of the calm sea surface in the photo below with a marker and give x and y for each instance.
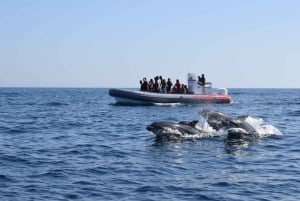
(76, 144)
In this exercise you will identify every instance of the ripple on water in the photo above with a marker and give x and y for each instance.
(54, 104)
(74, 144)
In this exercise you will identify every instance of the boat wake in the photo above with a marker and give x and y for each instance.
(167, 104)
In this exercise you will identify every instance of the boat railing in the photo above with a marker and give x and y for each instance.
(208, 85)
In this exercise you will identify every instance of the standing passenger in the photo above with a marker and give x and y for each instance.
(145, 85)
(156, 86)
(150, 85)
(169, 85)
(163, 86)
(141, 89)
(201, 82)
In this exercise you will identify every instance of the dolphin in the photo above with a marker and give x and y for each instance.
(170, 130)
(237, 128)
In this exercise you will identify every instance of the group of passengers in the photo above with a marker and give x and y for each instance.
(160, 85)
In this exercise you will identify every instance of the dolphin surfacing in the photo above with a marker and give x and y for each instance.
(170, 130)
(237, 128)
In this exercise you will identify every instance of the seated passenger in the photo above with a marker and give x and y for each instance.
(183, 89)
(177, 86)
(174, 90)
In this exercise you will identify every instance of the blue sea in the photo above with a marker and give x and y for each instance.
(77, 144)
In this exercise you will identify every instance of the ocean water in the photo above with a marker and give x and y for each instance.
(77, 144)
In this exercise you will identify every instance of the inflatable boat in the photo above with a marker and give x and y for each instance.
(196, 95)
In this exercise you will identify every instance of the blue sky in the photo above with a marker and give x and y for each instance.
(76, 43)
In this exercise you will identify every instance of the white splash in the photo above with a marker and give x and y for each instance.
(262, 128)
(206, 132)
(210, 132)
(258, 124)
(167, 104)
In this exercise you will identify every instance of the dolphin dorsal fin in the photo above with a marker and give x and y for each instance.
(193, 123)
(242, 117)
(189, 123)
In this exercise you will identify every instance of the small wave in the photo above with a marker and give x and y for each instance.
(52, 174)
(10, 94)
(30, 103)
(13, 159)
(149, 189)
(72, 196)
(221, 184)
(4, 178)
(16, 130)
(83, 183)
(54, 104)
(98, 170)
(294, 113)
